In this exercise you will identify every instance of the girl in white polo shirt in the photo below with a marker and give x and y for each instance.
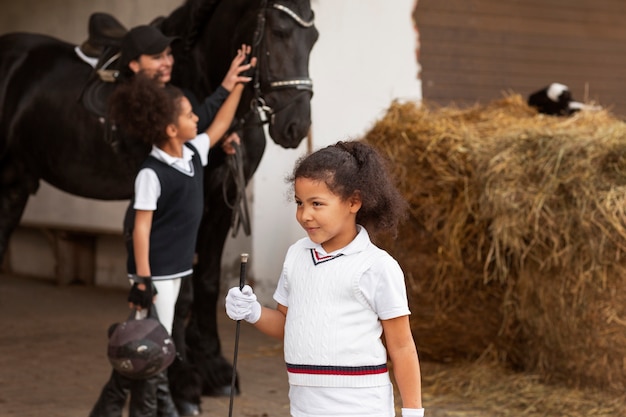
(339, 295)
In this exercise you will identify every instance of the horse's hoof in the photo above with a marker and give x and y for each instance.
(186, 408)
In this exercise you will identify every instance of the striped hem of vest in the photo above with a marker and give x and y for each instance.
(336, 370)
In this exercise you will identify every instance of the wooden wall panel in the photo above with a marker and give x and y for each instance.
(474, 50)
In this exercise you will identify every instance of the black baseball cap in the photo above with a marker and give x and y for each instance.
(143, 40)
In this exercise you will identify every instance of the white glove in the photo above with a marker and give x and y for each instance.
(242, 304)
(412, 412)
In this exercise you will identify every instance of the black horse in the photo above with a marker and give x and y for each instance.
(46, 133)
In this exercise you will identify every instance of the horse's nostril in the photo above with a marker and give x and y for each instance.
(297, 131)
(292, 133)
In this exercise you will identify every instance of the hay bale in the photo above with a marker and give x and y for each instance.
(515, 244)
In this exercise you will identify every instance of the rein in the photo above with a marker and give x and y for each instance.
(258, 106)
(241, 215)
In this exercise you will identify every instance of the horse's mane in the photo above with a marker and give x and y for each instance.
(188, 20)
(187, 23)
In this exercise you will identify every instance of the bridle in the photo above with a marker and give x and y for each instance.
(259, 110)
(303, 84)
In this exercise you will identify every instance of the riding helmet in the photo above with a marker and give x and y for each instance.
(140, 349)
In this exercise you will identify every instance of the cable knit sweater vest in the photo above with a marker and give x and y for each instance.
(332, 335)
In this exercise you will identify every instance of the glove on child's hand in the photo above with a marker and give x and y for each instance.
(410, 412)
(242, 305)
(142, 298)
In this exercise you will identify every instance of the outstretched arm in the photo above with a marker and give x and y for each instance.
(224, 117)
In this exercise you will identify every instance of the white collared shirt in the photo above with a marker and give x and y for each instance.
(389, 300)
(147, 185)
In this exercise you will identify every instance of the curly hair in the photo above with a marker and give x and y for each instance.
(142, 108)
(353, 167)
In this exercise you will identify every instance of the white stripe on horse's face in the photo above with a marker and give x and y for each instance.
(555, 90)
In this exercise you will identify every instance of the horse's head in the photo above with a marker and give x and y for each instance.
(283, 39)
(282, 35)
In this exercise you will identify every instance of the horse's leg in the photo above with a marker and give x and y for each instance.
(204, 346)
(15, 188)
(202, 335)
(204, 371)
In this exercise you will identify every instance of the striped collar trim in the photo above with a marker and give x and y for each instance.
(319, 259)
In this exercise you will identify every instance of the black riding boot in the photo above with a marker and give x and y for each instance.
(186, 387)
(143, 397)
(148, 397)
(165, 404)
(185, 383)
(113, 397)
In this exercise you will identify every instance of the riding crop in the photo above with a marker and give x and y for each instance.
(242, 282)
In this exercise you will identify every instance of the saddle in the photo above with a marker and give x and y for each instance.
(103, 47)
(104, 31)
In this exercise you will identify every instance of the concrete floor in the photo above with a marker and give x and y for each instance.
(53, 353)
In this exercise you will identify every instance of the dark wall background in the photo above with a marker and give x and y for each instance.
(474, 50)
(67, 19)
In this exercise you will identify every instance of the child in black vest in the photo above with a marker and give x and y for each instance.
(162, 220)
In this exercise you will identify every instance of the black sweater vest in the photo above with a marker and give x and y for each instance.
(175, 221)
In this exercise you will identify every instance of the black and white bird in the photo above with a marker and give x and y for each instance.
(556, 99)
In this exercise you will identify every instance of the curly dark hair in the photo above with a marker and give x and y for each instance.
(141, 108)
(356, 167)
